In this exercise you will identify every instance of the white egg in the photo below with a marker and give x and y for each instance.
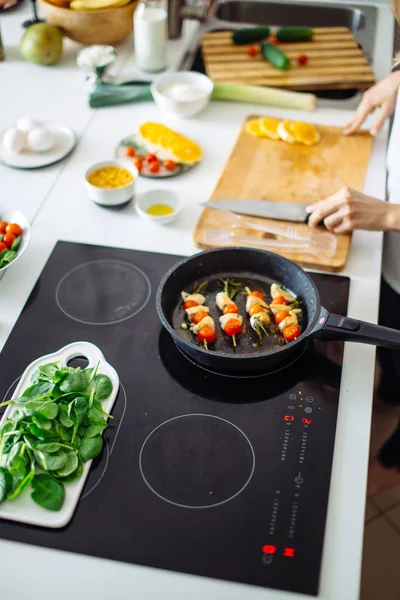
(40, 139)
(27, 124)
(14, 140)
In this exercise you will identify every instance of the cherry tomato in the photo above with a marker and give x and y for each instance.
(207, 334)
(198, 316)
(170, 165)
(291, 333)
(230, 308)
(232, 327)
(2, 246)
(252, 51)
(130, 151)
(279, 300)
(138, 162)
(273, 40)
(8, 239)
(302, 59)
(151, 158)
(189, 304)
(3, 226)
(280, 316)
(256, 308)
(154, 166)
(15, 229)
(256, 294)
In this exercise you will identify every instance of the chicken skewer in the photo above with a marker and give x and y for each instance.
(201, 324)
(231, 322)
(258, 311)
(285, 311)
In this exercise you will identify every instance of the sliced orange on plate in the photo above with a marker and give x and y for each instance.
(186, 152)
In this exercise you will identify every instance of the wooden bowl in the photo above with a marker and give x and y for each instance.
(108, 26)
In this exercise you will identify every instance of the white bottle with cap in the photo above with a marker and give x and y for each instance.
(150, 35)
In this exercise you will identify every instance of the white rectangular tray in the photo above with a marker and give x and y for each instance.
(24, 509)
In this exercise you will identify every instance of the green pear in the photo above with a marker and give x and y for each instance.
(41, 44)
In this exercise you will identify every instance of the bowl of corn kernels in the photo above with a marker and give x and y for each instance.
(111, 183)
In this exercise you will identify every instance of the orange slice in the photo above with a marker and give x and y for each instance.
(253, 127)
(186, 152)
(269, 127)
(285, 131)
(305, 133)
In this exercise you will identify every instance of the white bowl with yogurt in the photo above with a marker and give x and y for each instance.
(182, 95)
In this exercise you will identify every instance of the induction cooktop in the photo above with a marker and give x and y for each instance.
(200, 473)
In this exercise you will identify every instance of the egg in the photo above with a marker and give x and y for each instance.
(14, 140)
(40, 139)
(27, 124)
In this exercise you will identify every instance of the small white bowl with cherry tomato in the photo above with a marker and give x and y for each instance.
(150, 165)
(15, 235)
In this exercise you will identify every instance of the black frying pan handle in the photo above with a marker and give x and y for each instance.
(337, 327)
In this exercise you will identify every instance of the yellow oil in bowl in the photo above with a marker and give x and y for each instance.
(160, 210)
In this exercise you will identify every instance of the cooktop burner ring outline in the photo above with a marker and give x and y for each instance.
(132, 267)
(179, 505)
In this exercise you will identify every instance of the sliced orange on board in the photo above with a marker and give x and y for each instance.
(269, 127)
(305, 133)
(253, 127)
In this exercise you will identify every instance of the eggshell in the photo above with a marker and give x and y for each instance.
(40, 140)
(27, 124)
(14, 140)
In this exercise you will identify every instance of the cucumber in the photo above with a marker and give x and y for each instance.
(250, 35)
(275, 56)
(294, 34)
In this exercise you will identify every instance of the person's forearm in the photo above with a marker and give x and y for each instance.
(393, 218)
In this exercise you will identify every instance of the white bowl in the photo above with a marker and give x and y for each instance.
(14, 216)
(181, 108)
(111, 196)
(144, 201)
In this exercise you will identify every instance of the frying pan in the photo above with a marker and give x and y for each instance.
(266, 267)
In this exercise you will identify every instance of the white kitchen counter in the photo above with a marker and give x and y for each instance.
(56, 200)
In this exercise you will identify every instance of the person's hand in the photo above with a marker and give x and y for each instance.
(348, 210)
(383, 95)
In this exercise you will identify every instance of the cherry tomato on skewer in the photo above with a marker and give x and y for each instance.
(199, 316)
(279, 300)
(207, 334)
(291, 333)
(255, 309)
(230, 308)
(257, 294)
(232, 327)
(189, 304)
(280, 316)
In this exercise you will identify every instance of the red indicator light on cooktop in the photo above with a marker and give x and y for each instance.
(288, 552)
(289, 418)
(306, 421)
(269, 549)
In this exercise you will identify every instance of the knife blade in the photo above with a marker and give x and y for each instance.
(268, 209)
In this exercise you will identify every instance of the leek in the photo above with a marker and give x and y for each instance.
(255, 94)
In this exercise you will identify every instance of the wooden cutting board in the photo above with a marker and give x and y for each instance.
(259, 168)
(335, 62)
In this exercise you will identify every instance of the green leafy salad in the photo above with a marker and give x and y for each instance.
(55, 428)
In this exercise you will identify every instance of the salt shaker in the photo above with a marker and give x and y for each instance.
(150, 35)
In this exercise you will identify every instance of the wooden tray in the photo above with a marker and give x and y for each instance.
(259, 168)
(335, 62)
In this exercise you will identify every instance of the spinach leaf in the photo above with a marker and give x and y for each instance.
(17, 461)
(48, 492)
(103, 387)
(70, 466)
(77, 410)
(63, 416)
(75, 380)
(6, 481)
(90, 447)
(23, 484)
(41, 421)
(50, 462)
(39, 433)
(94, 430)
(7, 256)
(48, 370)
(62, 432)
(16, 243)
(45, 408)
(51, 447)
(38, 390)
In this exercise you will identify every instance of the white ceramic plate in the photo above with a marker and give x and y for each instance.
(64, 144)
(24, 509)
(14, 216)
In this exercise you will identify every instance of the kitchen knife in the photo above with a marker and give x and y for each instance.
(284, 211)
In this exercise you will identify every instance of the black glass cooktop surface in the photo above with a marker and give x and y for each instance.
(202, 474)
